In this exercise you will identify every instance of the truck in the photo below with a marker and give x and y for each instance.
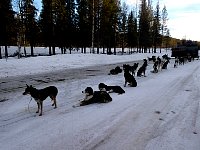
(186, 49)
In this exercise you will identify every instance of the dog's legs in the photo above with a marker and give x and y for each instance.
(125, 83)
(54, 101)
(144, 73)
(41, 108)
(38, 107)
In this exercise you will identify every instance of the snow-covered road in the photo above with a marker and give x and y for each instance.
(17, 83)
(162, 113)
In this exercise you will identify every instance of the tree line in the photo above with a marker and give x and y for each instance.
(70, 24)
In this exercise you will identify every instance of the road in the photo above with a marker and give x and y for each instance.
(18, 83)
(161, 113)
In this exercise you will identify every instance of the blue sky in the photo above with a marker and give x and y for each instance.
(184, 17)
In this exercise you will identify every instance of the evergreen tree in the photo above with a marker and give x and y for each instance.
(108, 21)
(6, 24)
(71, 27)
(61, 25)
(156, 28)
(29, 23)
(123, 26)
(47, 23)
(132, 31)
(83, 24)
(144, 26)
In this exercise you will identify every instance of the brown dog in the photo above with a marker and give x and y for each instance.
(41, 94)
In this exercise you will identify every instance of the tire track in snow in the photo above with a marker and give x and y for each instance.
(18, 83)
(143, 135)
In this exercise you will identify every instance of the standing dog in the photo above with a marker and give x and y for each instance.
(116, 89)
(95, 97)
(128, 77)
(41, 94)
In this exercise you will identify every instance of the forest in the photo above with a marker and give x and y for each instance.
(79, 24)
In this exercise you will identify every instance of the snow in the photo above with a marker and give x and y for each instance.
(15, 67)
(161, 113)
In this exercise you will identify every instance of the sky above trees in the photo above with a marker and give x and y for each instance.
(183, 17)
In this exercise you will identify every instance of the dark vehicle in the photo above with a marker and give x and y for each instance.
(188, 48)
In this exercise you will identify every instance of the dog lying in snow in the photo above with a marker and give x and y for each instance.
(95, 97)
(115, 71)
(115, 89)
(41, 94)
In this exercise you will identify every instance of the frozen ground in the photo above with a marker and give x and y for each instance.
(162, 113)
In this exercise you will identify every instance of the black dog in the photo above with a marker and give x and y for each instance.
(130, 68)
(128, 77)
(176, 62)
(153, 58)
(155, 67)
(159, 62)
(181, 61)
(165, 64)
(115, 71)
(41, 94)
(142, 69)
(115, 89)
(134, 68)
(95, 97)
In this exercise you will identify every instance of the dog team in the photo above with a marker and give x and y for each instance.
(101, 96)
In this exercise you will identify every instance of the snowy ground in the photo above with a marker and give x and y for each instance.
(162, 113)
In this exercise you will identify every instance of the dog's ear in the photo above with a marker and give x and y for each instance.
(90, 89)
(27, 86)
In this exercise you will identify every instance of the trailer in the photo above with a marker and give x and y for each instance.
(189, 48)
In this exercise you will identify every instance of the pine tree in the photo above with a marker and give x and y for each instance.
(156, 28)
(61, 25)
(108, 21)
(144, 26)
(6, 24)
(47, 24)
(29, 23)
(132, 31)
(83, 24)
(123, 26)
(71, 27)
